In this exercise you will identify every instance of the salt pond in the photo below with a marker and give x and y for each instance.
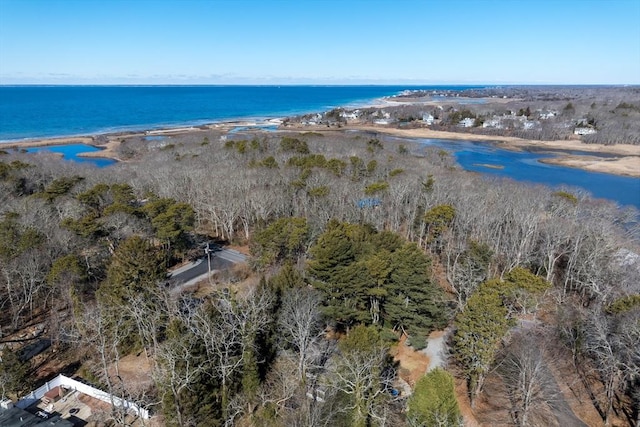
(71, 151)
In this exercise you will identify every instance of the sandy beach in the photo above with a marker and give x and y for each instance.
(46, 142)
(629, 166)
(108, 143)
(430, 100)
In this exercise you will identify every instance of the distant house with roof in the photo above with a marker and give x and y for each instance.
(545, 115)
(350, 115)
(467, 122)
(428, 119)
(584, 131)
(494, 122)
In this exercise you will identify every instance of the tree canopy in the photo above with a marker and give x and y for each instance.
(373, 277)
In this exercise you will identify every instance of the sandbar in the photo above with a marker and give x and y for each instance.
(629, 165)
(46, 142)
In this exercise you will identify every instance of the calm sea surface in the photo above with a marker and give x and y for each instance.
(48, 111)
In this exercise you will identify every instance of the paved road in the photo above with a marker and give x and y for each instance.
(221, 259)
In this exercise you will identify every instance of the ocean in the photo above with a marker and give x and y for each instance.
(52, 111)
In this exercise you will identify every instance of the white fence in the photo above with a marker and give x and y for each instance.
(71, 384)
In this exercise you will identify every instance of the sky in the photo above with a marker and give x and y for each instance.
(319, 42)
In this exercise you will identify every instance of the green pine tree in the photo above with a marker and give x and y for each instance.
(283, 240)
(479, 331)
(433, 402)
(136, 267)
(415, 304)
(14, 374)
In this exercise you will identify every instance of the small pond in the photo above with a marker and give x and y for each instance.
(71, 151)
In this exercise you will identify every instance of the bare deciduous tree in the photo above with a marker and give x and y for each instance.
(530, 385)
(299, 324)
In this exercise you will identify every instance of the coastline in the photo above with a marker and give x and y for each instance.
(108, 142)
(620, 159)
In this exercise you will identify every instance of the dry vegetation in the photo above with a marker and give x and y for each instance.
(238, 184)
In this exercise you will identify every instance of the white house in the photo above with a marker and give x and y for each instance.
(428, 119)
(350, 115)
(494, 122)
(468, 122)
(584, 131)
(548, 115)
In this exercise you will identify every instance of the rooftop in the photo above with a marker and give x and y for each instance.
(16, 417)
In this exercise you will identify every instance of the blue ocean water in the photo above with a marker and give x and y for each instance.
(47, 111)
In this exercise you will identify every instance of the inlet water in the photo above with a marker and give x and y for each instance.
(525, 166)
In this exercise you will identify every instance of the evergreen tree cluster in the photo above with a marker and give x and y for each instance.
(375, 278)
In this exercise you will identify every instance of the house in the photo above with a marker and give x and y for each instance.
(350, 115)
(494, 122)
(548, 115)
(12, 416)
(467, 122)
(428, 119)
(584, 131)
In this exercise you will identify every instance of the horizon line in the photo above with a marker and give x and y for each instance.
(480, 84)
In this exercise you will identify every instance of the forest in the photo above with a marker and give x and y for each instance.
(358, 245)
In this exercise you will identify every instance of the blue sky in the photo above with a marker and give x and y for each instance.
(319, 41)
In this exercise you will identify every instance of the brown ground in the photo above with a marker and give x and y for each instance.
(413, 364)
(135, 369)
(491, 407)
(468, 415)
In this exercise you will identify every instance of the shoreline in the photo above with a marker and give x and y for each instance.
(621, 159)
(626, 166)
(108, 142)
